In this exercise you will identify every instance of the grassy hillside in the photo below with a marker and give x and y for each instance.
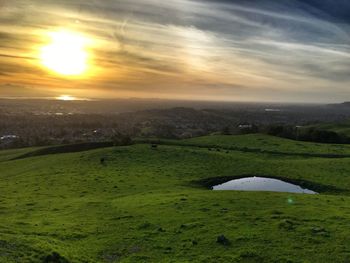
(6, 155)
(260, 143)
(269, 143)
(340, 128)
(147, 205)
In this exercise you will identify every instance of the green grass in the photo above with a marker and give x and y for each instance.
(259, 143)
(143, 205)
(270, 143)
(340, 128)
(6, 155)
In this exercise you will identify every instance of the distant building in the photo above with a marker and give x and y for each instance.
(8, 137)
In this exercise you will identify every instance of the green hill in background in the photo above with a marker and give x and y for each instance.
(340, 128)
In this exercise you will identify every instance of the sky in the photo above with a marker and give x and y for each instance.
(231, 50)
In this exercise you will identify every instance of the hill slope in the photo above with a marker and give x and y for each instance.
(340, 128)
(146, 205)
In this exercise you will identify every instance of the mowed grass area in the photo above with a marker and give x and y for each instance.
(143, 205)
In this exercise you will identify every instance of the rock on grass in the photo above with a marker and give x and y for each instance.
(223, 240)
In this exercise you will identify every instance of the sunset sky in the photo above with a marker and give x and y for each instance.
(239, 50)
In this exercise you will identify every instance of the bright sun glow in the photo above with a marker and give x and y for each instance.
(66, 98)
(66, 54)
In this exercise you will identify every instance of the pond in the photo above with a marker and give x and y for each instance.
(262, 184)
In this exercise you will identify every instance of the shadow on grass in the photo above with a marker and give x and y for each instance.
(70, 148)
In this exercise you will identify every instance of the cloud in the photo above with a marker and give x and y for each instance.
(186, 47)
(20, 91)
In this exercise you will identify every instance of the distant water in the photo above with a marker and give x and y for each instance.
(272, 110)
(262, 184)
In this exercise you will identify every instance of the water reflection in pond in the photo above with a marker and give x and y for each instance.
(262, 184)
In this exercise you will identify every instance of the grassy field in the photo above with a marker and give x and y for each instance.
(6, 155)
(260, 143)
(266, 143)
(340, 128)
(148, 205)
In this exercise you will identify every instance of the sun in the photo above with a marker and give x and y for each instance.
(66, 54)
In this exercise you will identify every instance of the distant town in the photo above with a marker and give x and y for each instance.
(41, 122)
